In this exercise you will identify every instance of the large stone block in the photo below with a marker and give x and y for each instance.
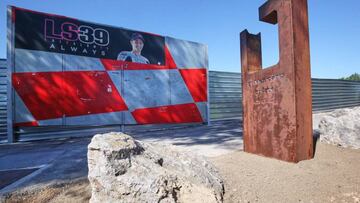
(122, 169)
(341, 127)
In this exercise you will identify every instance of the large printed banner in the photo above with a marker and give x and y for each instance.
(51, 33)
(71, 72)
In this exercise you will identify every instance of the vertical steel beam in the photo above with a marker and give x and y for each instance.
(277, 100)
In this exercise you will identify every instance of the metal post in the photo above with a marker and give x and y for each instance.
(10, 66)
(122, 80)
(208, 87)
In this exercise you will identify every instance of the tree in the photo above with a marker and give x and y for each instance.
(353, 77)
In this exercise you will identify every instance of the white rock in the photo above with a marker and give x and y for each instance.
(122, 169)
(341, 127)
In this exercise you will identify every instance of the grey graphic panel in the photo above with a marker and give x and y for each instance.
(128, 118)
(179, 92)
(22, 113)
(187, 54)
(55, 121)
(116, 79)
(81, 63)
(202, 106)
(37, 61)
(149, 88)
(95, 119)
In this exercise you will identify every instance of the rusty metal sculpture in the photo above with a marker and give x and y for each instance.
(277, 100)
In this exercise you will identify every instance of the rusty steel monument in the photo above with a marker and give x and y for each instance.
(277, 100)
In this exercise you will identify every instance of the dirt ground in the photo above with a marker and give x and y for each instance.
(332, 176)
(73, 192)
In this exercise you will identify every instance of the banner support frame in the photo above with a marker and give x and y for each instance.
(10, 66)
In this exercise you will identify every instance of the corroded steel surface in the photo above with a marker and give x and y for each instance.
(277, 100)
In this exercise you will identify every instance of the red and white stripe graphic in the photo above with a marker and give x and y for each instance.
(62, 89)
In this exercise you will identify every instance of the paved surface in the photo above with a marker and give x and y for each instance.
(66, 159)
(10, 176)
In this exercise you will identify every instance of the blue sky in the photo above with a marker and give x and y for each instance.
(334, 27)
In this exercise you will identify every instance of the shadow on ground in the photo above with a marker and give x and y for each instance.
(61, 160)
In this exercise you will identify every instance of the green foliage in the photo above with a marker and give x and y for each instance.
(353, 77)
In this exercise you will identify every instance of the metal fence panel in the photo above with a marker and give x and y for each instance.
(225, 102)
(327, 94)
(225, 95)
(331, 94)
(3, 100)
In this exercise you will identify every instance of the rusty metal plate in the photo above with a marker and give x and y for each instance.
(277, 100)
